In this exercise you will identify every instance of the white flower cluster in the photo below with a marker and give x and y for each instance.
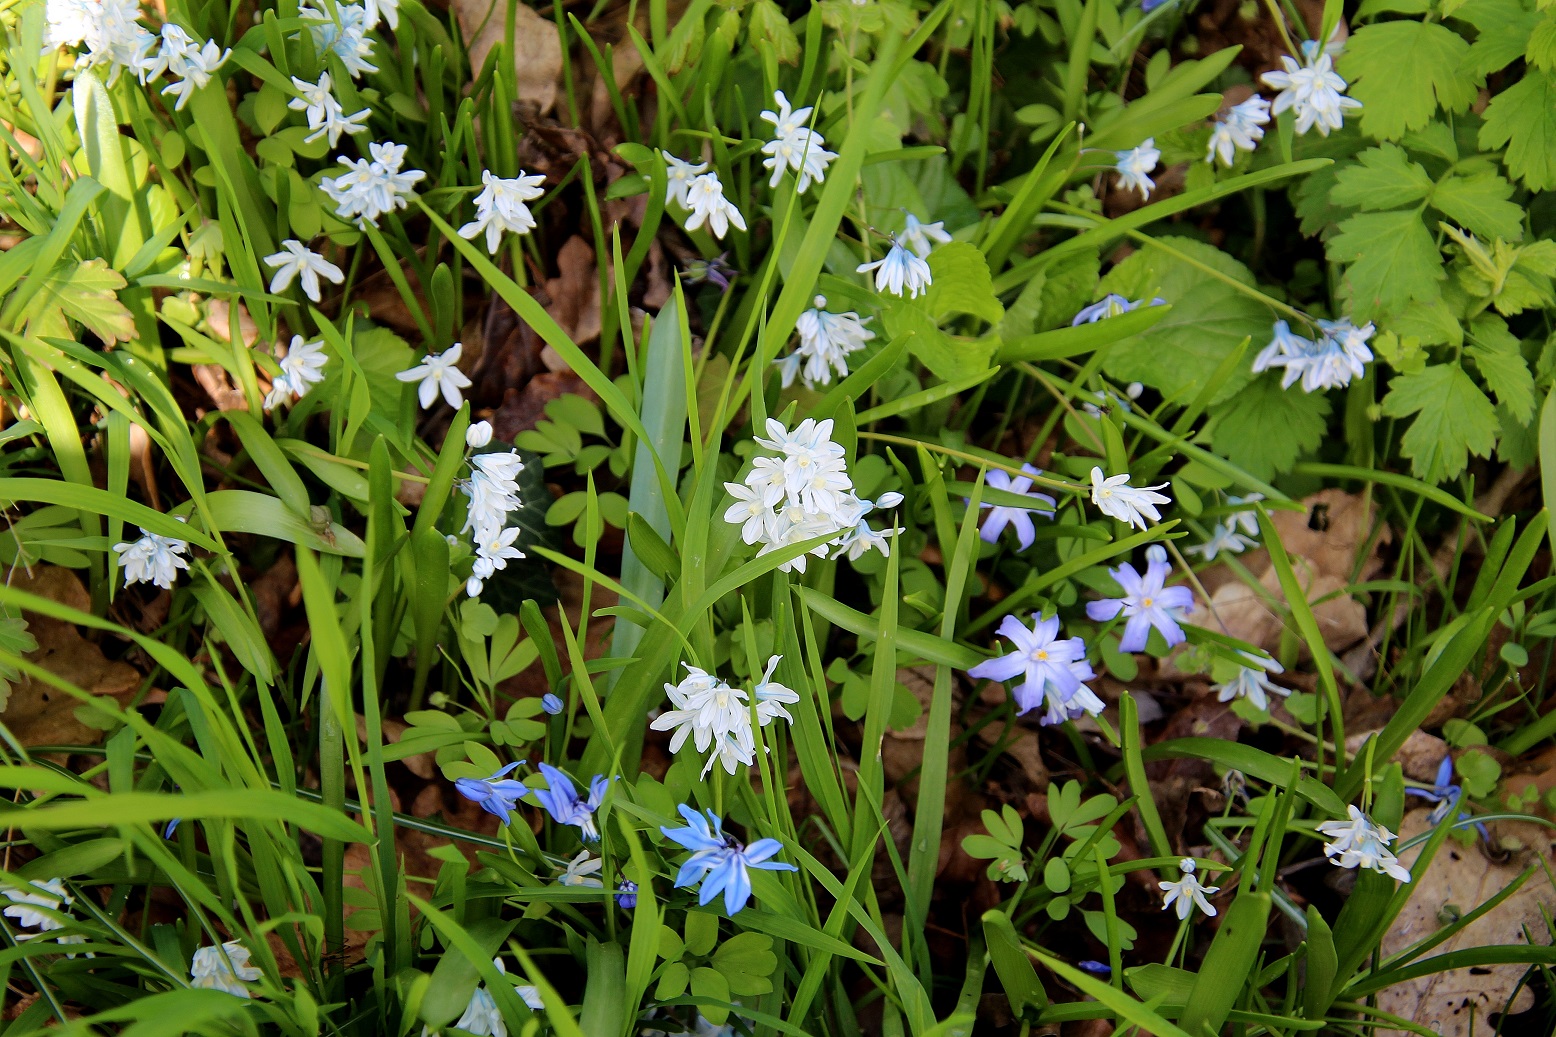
(701, 193)
(1240, 129)
(493, 491)
(501, 207)
(344, 33)
(1361, 842)
(326, 118)
(714, 714)
(371, 188)
(113, 36)
(1313, 90)
(152, 559)
(826, 339)
(301, 369)
(224, 968)
(805, 493)
(794, 145)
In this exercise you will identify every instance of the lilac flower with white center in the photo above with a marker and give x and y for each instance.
(899, 269)
(501, 207)
(301, 369)
(24, 903)
(1252, 682)
(152, 559)
(497, 794)
(1134, 167)
(1223, 538)
(438, 373)
(326, 117)
(343, 33)
(1051, 670)
(921, 238)
(1147, 603)
(719, 861)
(1111, 305)
(1001, 515)
(795, 145)
(1187, 893)
(552, 704)
(582, 871)
(679, 176)
(1240, 129)
(1313, 91)
(705, 199)
(1362, 843)
(770, 696)
(296, 260)
(627, 894)
(224, 968)
(826, 339)
(1114, 497)
(371, 188)
(561, 801)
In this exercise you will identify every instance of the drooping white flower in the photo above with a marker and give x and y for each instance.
(371, 188)
(1362, 843)
(583, 871)
(1252, 682)
(1187, 893)
(899, 269)
(326, 118)
(387, 10)
(1314, 91)
(193, 64)
(826, 339)
(500, 207)
(343, 33)
(770, 696)
(1246, 515)
(1114, 497)
(1223, 539)
(794, 145)
(705, 198)
(1134, 167)
(301, 369)
(152, 559)
(1240, 129)
(678, 179)
(223, 968)
(296, 260)
(24, 903)
(439, 373)
(921, 238)
(478, 434)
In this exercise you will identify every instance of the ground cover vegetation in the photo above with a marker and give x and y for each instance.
(738, 517)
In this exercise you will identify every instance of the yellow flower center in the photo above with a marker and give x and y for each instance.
(1145, 602)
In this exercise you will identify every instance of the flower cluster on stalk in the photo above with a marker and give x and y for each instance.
(716, 716)
(492, 492)
(1339, 354)
(803, 493)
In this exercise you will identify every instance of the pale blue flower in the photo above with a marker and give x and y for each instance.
(1111, 305)
(1147, 602)
(560, 798)
(551, 703)
(1000, 516)
(719, 861)
(1134, 167)
(1051, 670)
(1252, 682)
(899, 269)
(496, 794)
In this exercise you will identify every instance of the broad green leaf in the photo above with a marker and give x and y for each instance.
(1453, 419)
(87, 293)
(1393, 258)
(1501, 361)
(1479, 203)
(1209, 317)
(1522, 119)
(1012, 964)
(1264, 429)
(1541, 52)
(1383, 178)
(961, 284)
(1402, 71)
(948, 358)
(1504, 28)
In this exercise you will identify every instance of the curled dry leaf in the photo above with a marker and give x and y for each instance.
(1460, 1002)
(1326, 544)
(38, 713)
